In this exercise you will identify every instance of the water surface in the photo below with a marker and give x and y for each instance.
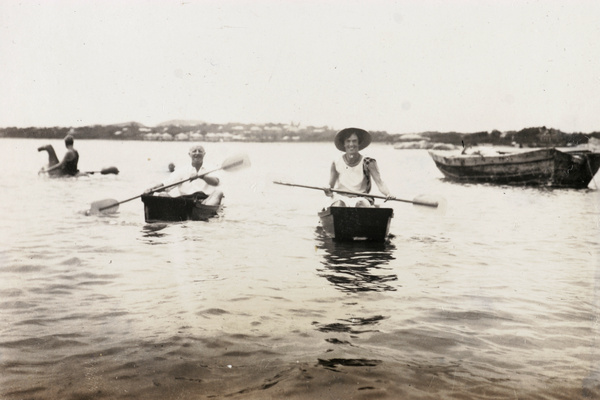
(494, 298)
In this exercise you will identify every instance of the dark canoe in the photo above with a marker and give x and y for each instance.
(543, 167)
(356, 223)
(163, 208)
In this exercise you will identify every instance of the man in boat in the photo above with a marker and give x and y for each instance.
(68, 165)
(352, 172)
(203, 188)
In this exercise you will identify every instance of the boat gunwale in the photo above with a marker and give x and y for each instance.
(480, 160)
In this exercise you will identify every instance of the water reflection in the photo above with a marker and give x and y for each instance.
(332, 363)
(353, 267)
(152, 232)
(357, 266)
(353, 326)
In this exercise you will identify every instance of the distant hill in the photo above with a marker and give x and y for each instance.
(132, 123)
(182, 122)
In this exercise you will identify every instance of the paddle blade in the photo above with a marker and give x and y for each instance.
(107, 206)
(109, 170)
(431, 202)
(236, 162)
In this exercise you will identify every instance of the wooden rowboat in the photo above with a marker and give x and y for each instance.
(163, 208)
(543, 167)
(356, 223)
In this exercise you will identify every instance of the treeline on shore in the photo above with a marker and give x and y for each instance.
(536, 136)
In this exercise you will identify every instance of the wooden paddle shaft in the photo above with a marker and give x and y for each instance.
(231, 163)
(420, 203)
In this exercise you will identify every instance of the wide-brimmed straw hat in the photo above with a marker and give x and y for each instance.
(364, 138)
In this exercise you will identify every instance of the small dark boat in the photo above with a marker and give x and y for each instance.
(542, 167)
(163, 208)
(356, 223)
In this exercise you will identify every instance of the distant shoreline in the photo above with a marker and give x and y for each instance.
(527, 137)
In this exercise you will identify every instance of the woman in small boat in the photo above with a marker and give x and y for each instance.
(68, 165)
(352, 172)
(203, 188)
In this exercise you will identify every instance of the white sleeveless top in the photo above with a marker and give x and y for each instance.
(350, 178)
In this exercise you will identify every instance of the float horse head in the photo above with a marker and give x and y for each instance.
(52, 159)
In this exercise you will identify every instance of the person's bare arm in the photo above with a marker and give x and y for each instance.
(333, 178)
(211, 180)
(374, 170)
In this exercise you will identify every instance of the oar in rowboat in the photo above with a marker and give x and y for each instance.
(418, 201)
(232, 163)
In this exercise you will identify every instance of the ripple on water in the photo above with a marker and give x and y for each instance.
(20, 269)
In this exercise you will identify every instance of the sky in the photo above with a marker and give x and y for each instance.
(395, 66)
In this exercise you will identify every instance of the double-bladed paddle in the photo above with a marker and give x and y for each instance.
(232, 163)
(105, 171)
(416, 201)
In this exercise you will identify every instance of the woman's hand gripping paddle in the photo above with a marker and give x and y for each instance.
(231, 164)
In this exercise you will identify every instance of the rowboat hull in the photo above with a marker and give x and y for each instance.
(171, 209)
(356, 223)
(543, 167)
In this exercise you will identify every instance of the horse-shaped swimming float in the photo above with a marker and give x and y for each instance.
(53, 160)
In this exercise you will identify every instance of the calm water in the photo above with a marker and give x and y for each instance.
(494, 298)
